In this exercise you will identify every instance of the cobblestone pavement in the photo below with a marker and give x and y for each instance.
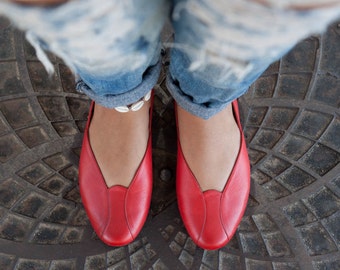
(292, 126)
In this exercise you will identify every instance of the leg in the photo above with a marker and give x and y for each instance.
(220, 48)
(117, 66)
(114, 49)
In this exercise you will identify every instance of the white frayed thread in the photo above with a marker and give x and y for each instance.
(34, 41)
(288, 4)
(90, 37)
(237, 33)
(203, 57)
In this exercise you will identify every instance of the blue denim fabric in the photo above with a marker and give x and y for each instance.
(112, 46)
(220, 46)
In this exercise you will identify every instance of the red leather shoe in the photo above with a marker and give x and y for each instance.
(117, 214)
(212, 217)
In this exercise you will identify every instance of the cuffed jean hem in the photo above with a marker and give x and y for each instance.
(150, 78)
(200, 110)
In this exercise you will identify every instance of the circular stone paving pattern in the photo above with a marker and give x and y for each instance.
(292, 126)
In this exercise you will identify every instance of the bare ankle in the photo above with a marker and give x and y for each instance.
(210, 147)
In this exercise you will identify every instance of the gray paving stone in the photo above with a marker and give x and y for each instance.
(116, 255)
(10, 83)
(181, 238)
(33, 136)
(186, 259)
(123, 265)
(302, 58)
(70, 173)
(134, 246)
(59, 214)
(6, 261)
(4, 128)
(27, 264)
(252, 244)
(229, 261)
(252, 264)
(159, 265)
(15, 228)
(327, 264)
(10, 147)
(325, 87)
(294, 147)
(57, 161)
(33, 205)
(267, 138)
(18, 112)
(139, 259)
(175, 248)
(317, 240)
(72, 235)
(65, 128)
(295, 179)
(274, 166)
(190, 246)
(10, 192)
(257, 115)
(332, 226)
(255, 156)
(285, 266)
(260, 177)
(276, 245)
(264, 222)
(312, 124)
(275, 190)
(330, 137)
(210, 258)
(293, 86)
(40, 80)
(7, 37)
(55, 185)
(95, 262)
(150, 252)
(323, 203)
(63, 265)
(265, 86)
(321, 159)
(280, 118)
(299, 214)
(35, 172)
(55, 108)
(79, 218)
(47, 233)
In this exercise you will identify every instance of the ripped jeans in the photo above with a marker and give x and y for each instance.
(220, 46)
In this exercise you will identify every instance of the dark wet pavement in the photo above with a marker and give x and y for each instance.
(292, 125)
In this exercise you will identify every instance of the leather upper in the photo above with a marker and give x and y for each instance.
(117, 214)
(212, 217)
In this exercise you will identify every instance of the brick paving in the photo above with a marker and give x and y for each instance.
(292, 125)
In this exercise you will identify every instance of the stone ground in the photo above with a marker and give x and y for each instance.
(292, 125)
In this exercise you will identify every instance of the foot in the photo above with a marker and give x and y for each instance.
(210, 147)
(119, 141)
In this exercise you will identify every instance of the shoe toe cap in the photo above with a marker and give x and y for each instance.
(116, 231)
(213, 234)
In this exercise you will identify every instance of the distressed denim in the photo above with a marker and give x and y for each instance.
(220, 46)
(112, 46)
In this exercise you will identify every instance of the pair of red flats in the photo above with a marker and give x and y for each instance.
(118, 214)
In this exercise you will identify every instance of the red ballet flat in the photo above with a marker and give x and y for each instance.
(212, 217)
(117, 214)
